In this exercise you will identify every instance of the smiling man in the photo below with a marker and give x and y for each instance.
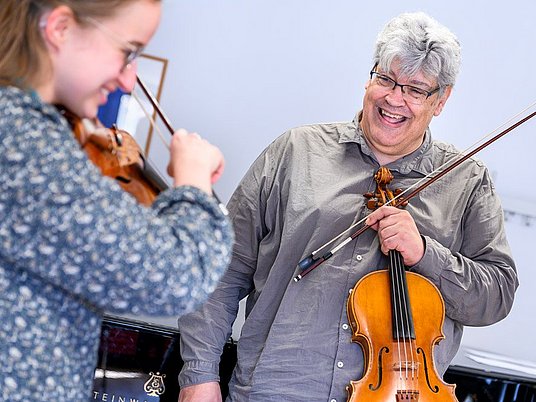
(306, 188)
(395, 116)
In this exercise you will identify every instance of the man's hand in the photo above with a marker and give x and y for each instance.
(206, 392)
(397, 231)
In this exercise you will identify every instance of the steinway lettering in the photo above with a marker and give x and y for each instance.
(106, 397)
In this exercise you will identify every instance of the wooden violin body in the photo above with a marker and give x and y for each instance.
(397, 319)
(397, 369)
(117, 155)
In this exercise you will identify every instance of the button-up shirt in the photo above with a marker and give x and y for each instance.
(303, 190)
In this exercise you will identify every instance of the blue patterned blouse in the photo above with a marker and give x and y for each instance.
(73, 244)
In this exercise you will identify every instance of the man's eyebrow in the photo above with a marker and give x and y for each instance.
(413, 82)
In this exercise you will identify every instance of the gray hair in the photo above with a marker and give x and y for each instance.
(420, 44)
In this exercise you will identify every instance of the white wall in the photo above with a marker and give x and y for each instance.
(241, 72)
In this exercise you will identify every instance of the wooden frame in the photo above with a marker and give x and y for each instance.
(131, 116)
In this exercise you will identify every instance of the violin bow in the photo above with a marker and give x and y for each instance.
(167, 123)
(310, 262)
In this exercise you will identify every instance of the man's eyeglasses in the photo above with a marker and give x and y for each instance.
(410, 93)
(130, 50)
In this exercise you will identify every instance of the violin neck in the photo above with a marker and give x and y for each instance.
(402, 319)
(152, 172)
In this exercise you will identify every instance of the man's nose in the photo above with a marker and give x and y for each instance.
(395, 96)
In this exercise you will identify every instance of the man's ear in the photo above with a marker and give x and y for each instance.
(55, 25)
(442, 101)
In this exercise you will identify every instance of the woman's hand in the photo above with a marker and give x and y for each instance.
(194, 161)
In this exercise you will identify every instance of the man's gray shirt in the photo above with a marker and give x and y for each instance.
(303, 190)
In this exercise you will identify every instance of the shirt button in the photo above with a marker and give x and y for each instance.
(332, 400)
(345, 326)
(359, 257)
(340, 364)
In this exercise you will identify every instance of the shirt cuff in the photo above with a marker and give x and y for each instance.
(431, 263)
(198, 372)
(189, 194)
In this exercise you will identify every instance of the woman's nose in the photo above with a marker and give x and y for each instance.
(127, 77)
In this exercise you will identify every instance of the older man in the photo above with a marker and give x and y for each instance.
(306, 188)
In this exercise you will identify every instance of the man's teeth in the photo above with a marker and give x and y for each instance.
(392, 116)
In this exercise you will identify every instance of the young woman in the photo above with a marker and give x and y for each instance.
(72, 243)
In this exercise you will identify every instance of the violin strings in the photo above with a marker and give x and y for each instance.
(402, 321)
(428, 176)
(400, 294)
(395, 315)
(401, 271)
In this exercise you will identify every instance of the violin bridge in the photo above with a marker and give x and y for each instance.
(407, 395)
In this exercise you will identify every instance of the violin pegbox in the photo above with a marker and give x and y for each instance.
(382, 194)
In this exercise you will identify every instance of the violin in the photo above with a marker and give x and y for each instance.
(396, 318)
(117, 155)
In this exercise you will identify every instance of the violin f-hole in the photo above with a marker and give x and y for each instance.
(380, 369)
(435, 388)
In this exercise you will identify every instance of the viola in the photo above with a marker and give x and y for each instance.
(396, 318)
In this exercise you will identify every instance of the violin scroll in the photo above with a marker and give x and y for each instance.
(383, 195)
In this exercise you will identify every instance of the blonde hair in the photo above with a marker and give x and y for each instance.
(24, 58)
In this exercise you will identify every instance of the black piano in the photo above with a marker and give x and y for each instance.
(140, 362)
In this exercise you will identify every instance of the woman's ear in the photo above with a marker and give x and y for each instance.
(55, 25)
